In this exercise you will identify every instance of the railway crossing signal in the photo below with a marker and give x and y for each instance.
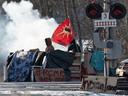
(117, 11)
(94, 11)
(112, 46)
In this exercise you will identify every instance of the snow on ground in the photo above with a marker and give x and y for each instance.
(58, 93)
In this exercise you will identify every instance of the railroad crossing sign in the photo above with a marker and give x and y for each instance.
(105, 22)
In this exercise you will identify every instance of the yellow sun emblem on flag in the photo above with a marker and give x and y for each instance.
(66, 30)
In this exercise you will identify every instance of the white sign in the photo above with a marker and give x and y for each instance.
(105, 22)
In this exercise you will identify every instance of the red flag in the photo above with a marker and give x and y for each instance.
(92, 1)
(64, 33)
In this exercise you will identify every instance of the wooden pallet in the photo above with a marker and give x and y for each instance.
(76, 68)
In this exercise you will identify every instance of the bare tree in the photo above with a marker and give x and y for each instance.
(77, 23)
(83, 26)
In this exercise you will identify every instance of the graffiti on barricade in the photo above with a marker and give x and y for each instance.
(98, 84)
(48, 75)
(109, 87)
(90, 85)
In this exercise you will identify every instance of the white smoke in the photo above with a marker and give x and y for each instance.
(25, 29)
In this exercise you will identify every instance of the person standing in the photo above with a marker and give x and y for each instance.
(74, 47)
(49, 45)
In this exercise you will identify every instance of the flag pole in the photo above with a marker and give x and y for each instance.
(73, 35)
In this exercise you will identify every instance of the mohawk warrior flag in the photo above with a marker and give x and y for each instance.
(92, 1)
(64, 33)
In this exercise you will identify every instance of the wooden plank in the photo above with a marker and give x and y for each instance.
(74, 68)
(75, 78)
(75, 75)
(75, 71)
(77, 60)
(89, 82)
(76, 63)
(111, 84)
(99, 84)
(78, 54)
(49, 74)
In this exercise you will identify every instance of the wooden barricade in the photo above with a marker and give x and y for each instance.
(49, 75)
(99, 84)
(88, 67)
(76, 68)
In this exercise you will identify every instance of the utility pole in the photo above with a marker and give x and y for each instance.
(106, 7)
(111, 35)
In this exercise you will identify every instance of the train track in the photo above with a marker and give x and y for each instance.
(48, 88)
(37, 87)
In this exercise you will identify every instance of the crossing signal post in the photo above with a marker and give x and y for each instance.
(112, 47)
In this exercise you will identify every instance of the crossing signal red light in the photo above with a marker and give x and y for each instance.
(94, 11)
(117, 11)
